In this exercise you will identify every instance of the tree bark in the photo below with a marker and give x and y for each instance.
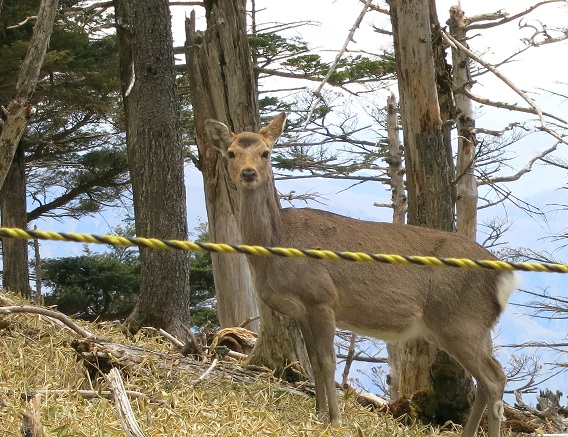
(19, 110)
(155, 155)
(223, 88)
(428, 178)
(15, 252)
(466, 182)
(429, 185)
(220, 89)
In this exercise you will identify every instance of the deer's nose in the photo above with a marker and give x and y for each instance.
(248, 175)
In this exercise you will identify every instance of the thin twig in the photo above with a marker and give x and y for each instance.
(171, 338)
(193, 340)
(248, 321)
(207, 372)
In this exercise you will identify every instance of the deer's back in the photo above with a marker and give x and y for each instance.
(312, 228)
(378, 299)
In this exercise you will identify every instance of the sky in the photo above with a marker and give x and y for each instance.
(534, 71)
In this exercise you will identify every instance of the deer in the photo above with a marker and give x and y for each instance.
(454, 308)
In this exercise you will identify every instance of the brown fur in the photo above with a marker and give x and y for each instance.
(455, 308)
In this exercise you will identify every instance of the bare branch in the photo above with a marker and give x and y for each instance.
(504, 16)
(248, 320)
(535, 109)
(527, 168)
(349, 38)
(543, 126)
(334, 176)
(503, 105)
(49, 313)
(196, 345)
(358, 357)
(533, 344)
(382, 31)
(556, 162)
(281, 73)
(544, 32)
(279, 27)
(21, 23)
(498, 133)
(348, 360)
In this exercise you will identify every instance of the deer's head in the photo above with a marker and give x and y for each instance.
(247, 153)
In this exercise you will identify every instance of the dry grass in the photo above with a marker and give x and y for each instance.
(36, 355)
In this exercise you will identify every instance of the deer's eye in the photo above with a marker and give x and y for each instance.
(230, 154)
(265, 154)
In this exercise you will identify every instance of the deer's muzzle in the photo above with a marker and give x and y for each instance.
(248, 175)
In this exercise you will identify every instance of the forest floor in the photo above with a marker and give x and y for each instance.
(37, 361)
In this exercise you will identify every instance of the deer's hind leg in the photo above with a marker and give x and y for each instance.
(476, 356)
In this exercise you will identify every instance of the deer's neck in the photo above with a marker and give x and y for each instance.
(260, 216)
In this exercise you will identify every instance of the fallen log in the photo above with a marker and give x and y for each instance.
(101, 355)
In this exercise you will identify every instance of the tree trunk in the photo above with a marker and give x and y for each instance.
(420, 117)
(427, 166)
(155, 155)
(12, 174)
(223, 88)
(399, 204)
(222, 91)
(429, 184)
(394, 160)
(19, 111)
(466, 181)
(15, 252)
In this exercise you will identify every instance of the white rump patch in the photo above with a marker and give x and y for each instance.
(507, 283)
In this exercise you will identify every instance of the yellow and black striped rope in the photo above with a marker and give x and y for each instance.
(282, 251)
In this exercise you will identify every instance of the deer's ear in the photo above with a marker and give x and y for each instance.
(274, 129)
(219, 134)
